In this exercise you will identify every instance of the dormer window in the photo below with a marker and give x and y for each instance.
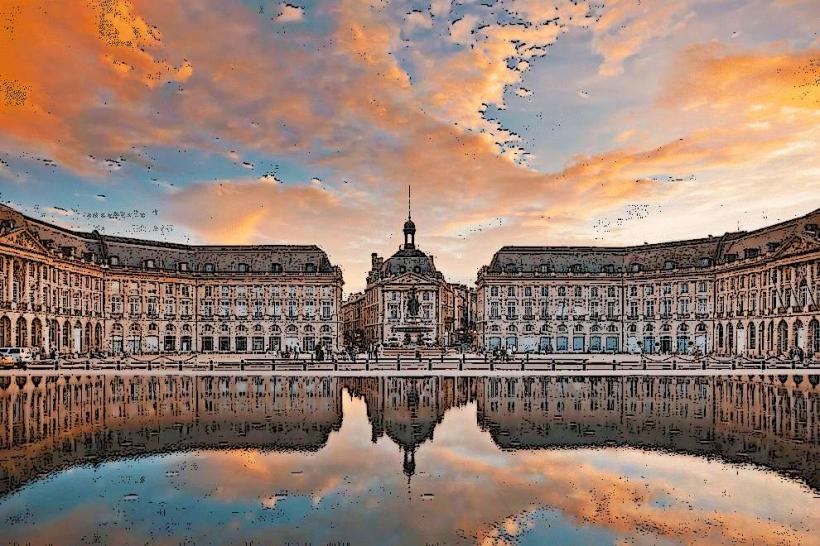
(417, 269)
(209, 268)
(310, 268)
(149, 264)
(510, 268)
(113, 260)
(668, 265)
(183, 266)
(751, 253)
(636, 268)
(731, 257)
(243, 268)
(577, 268)
(705, 262)
(609, 269)
(276, 267)
(545, 268)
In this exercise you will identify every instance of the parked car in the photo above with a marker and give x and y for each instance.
(7, 361)
(20, 356)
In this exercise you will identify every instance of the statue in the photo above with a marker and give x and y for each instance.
(413, 304)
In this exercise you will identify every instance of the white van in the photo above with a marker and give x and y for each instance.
(20, 355)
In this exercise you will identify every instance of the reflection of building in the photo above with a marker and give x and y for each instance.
(55, 422)
(52, 422)
(75, 292)
(751, 293)
(407, 410)
(406, 300)
(768, 420)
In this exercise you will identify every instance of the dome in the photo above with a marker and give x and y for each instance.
(409, 224)
(408, 260)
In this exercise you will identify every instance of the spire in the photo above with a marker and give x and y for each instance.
(409, 226)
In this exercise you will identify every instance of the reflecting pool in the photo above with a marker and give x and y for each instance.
(245, 459)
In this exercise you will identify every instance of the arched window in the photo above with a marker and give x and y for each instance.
(310, 267)
(276, 267)
(244, 268)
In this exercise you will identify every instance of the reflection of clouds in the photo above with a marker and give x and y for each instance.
(488, 494)
(465, 490)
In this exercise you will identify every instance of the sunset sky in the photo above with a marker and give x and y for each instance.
(516, 122)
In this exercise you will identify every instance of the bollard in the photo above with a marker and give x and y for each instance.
(398, 364)
(793, 364)
(492, 366)
(335, 366)
(553, 365)
(118, 364)
(674, 365)
(88, 365)
(149, 366)
(733, 364)
(211, 365)
(180, 365)
(367, 365)
(613, 365)
(522, 363)
(442, 358)
(703, 365)
(584, 366)
(430, 363)
(763, 365)
(57, 366)
(304, 366)
(644, 364)
(461, 364)
(242, 365)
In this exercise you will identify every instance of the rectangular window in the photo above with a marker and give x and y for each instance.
(595, 343)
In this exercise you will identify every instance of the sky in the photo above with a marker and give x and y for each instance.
(519, 122)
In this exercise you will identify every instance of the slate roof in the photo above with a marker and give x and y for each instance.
(679, 254)
(132, 252)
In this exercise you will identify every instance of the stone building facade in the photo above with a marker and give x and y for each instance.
(744, 293)
(74, 292)
(406, 302)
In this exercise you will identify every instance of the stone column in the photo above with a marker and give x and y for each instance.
(10, 278)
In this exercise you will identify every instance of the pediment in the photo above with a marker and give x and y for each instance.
(23, 239)
(796, 244)
(409, 278)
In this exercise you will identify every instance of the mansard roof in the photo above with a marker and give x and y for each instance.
(132, 252)
(409, 259)
(796, 233)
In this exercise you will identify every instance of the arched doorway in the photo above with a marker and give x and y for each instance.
(53, 335)
(814, 336)
(719, 337)
(782, 337)
(5, 331)
(98, 335)
(21, 337)
(752, 341)
(36, 333)
(799, 335)
(87, 338)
